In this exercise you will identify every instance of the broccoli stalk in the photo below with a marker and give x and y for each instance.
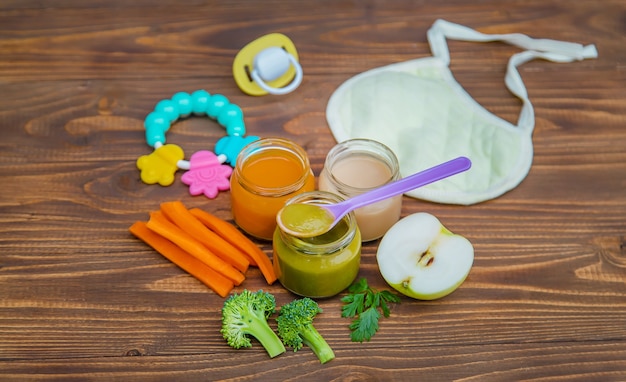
(295, 328)
(246, 314)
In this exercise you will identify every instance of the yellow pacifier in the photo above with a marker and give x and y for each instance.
(268, 64)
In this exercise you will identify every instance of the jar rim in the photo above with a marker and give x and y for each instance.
(264, 145)
(313, 246)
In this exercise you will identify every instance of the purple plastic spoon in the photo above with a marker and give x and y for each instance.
(310, 222)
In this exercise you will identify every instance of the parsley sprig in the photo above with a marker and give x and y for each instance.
(365, 305)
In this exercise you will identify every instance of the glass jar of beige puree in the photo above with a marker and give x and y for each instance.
(356, 166)
(319, 266)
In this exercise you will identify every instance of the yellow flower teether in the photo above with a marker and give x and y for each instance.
(160, 165)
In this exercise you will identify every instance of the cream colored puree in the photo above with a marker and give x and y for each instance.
(366, 172)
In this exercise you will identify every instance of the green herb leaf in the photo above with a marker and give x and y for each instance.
(353, 306)
(385, 308)
(365, 326)
(359, 286)
(365, 304)
(389, 297)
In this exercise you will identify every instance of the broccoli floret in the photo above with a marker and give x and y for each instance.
(295, 328)
(246, 314)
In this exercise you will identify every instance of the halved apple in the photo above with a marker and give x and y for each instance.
(422, 259)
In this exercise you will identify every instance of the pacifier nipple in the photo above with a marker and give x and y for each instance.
(271, 63)
(268, 65)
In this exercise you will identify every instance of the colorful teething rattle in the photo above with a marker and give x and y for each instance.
(206, 173)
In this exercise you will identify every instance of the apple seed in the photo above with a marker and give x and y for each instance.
(426, 259)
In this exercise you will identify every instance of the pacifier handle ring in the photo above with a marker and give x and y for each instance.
(286, 89)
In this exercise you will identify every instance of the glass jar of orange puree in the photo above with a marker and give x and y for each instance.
(319, 266)
(267, 173)
(356, 166)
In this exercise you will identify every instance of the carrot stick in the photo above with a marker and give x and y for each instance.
(228, 232)
(237, 238)
(180, 215)
(205, 274)
(159, 224)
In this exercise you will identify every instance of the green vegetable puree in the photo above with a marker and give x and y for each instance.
(305, 220)
(320, 273)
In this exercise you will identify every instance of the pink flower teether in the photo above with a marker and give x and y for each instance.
(207, 175)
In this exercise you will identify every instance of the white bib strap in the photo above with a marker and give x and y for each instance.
(551, 50)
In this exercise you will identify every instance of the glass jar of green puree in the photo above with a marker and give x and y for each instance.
(319, 266)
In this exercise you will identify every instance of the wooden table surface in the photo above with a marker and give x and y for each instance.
(82, 299)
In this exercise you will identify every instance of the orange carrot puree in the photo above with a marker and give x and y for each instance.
(265, 181)
(273, 169)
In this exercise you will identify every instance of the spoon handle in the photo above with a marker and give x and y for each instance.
(411, 182)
